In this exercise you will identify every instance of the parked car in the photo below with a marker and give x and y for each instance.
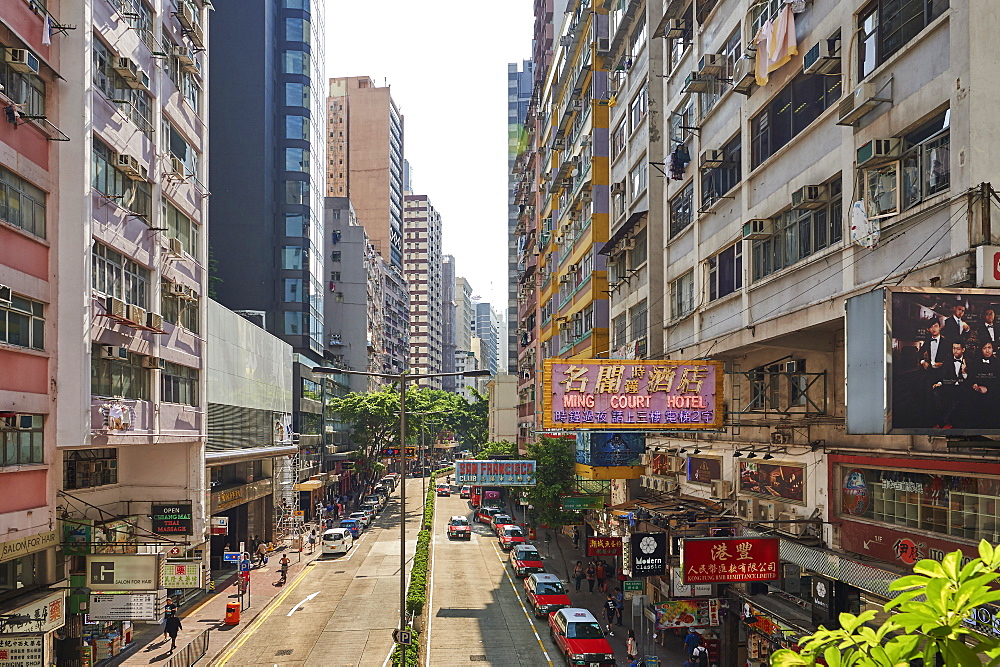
(485, 514)
(337, 541)
(364, 517)
(353, 525)
(500, 519)
(578, 636)
(466, 492)
(443, 490)
(525, 560)
(509, 536)
(371, 505)
(545, 593)
(458, 526)
(381, 489)
(379, 501)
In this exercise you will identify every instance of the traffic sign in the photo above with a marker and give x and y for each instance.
(635, 586)
(231, 557)
(405, 637)
(174, 551)
(245, 565)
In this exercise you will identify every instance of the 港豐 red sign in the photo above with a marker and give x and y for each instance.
(604, 546)
(627, 393)
(729, 559)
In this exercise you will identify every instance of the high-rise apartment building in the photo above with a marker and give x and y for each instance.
(422, 267)
(395, 318)
(365, 156)
(489, 329)
(448, 311)
(465, 314)
(519, 87)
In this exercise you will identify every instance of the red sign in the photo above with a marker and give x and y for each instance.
(724, 560)
(604, 546)
(895, 546)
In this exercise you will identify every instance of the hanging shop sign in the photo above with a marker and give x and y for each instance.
(648, 554)
(703, 470)
(172, 519)
(23, 546)
(896, 546)
(42, 615)
(729, 559)
(115, 572)
(576, 503)
(699, 613)
(185, 574)
(220, 525)
(127, 606)
(495, 473)
(117, 536)
(77, 534)
(604, 546)
(984, 620)
(773, 481)
(23, 651)
(682, 590)
(632, 394)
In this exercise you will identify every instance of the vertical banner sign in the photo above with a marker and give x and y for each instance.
(648, 553)
(716, 560)
(172, 518)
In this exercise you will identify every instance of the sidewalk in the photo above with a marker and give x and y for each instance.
(208, 612)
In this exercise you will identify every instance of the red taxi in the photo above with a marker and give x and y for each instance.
(509, 536)
(579, 636)
(485, 514)
(525, 560)
(458, 526)
(500, 519)
(546, 594)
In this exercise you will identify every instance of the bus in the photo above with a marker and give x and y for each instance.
(487, 496)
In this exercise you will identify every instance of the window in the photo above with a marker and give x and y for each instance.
(90, 467)
(792, 110)
(21, 439)
(681, 119)
(295, 4)
(638, 38)
(637, 255)
(121, 378)
(297, 159)
(297, 192)
(21, 203)
(179, 384)
(335, 255)
(293, 323)
(295, 62)
(297, 127)
(297, 95)
(731, 50)
(23, 88)
(678, 47)
(292, 257)
(725, 272)
(925, 165)
(294, 292)
(22, 323)
(885, 26)
(637, 180)
(136, 104)
(181, 227)
(638, 108)
(174, 143)
(181, 311)
(800, 233)
(717, 181)
(114, 274)
(619, 326)
(682, 295)
(637, 321)
(297, 30)
(681, 210)
(135, 195)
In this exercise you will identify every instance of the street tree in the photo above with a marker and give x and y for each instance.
(496, 448)
(555, 476)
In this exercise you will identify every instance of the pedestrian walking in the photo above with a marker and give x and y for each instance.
(691, 641)
(610, 611)
(173, 626)
(261, 554)
(619, 598)
(578, 574)
(602, 576)
(700, 656)
(169, 609)
(312, 541)
(591, 574)
(631, 648)
(576, 537)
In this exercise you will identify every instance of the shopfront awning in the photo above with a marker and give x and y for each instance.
(227, 456)
(310, 485)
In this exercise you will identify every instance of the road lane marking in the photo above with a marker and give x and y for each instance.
(531, 623)
(264, 615)
(299, 605)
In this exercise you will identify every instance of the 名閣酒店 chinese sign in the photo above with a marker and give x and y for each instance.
(627, 393)
(725, 560)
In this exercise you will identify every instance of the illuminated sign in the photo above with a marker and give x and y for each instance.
(624, 394)
(702, 613)
(495, 473)
(725, 560)
(604, 546)
(172, 519)
(648, 554)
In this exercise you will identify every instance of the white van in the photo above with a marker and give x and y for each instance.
(337, 541)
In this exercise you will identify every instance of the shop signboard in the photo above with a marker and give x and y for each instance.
(985, 620)
(822, 599)
(729, 559)
(648, 554)
(186, 574)
(77, 536)
(576, 503)
(703, 469)
(682, 590)
(126, 606)
(23, 546)
(44, 614)
(698, 613)
(896, 546)
(116, 537)
(609, 448)
(773, 480)
(604, 546)
(231, 557)
(22, 651)
(495, 473)
(220, 525)
(123, 572)
(632, 586)
(632, 394)
(229, 498)
(172, 518)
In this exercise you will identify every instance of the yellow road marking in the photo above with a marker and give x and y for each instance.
(264, 615)
(523, 608)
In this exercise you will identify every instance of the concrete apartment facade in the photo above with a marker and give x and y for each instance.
(519, 86)
(448, 327)
(422, 268)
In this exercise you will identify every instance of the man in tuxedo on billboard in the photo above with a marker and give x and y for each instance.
(948, 392)
(956, 328)
(987, 331)
(984, 369)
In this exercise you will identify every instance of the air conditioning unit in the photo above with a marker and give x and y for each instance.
(128, 164)
(758, 229)
(780, 438)
(618, 188)
(558, 239)
(603, 45)
(177, 289)
(696, 83)
(564, 279)
(644, 459)
(175, 247)
(197, 36)
(176, 166)
(810, 196)
(184, 15)
(115, 307)
(21, 60)
(711, 159)
(5, 295)
(712, 64)
(572, 268)
(677, 29)
(669, 485)
(878, 150)
(796, 366)
(154, 321)
(721, 488)
(127, 68)
(136, 315)
(558, 144)
(676, 463)
(747, 508)
(154, 363)
(645, 481)
(743, 74)
(114, 352)
(820, 59)
(793, 528)
(855, 105)
(185, 56)
(585, 197)
(768, 510)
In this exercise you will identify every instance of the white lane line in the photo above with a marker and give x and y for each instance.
(296, 607)
(531, 622)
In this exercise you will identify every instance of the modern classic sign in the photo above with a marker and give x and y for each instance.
(728, 559)
(172, 518)
(648, 554)
(123, 572)
(596, 393)
(495, 473)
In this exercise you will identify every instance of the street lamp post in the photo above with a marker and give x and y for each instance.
(402, 378)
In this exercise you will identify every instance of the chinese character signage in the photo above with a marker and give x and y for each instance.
(495, 473)
(896, 546)
(182, 575)
(701, 613)
(624, 394)
(773, 481)
(648, 553)
(41, 616)
(604, 546)
(172, 519)
(22, 651)
(126, 606)
(571, 503)
(703, 470)
(725, 560)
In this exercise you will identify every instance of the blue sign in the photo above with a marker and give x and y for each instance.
(495, 473)
(230, 556)
(609, 448)
(244, 566)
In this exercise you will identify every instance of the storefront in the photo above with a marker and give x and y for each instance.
(248, 510)
(311, 493)
(766, 630)
(28, 631)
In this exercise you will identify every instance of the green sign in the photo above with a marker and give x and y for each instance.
(634, 586)
(570, 503)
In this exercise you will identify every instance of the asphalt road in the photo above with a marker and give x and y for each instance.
(342, 609)
(475, 609)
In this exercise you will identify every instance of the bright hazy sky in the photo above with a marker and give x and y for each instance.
(446, 63)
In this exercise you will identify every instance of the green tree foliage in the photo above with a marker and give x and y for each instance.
(555, 475)
(496, 448)
(932, 605)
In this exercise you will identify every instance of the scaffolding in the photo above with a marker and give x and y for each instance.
(286, 473)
